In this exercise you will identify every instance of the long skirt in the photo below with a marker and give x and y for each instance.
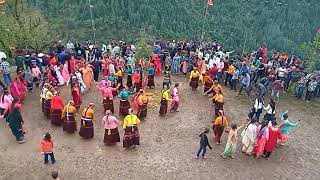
(137, 86)
(205, 89)
(218, 130)
(69, 124)
(163, 107)
(29, 86)
(131, 137)
(114, 93)
(150, 81)
(218, 106)
(86, 129)
(142, 111)
(174, 106)
(56, 117)
(261, 143)
(194, 83)
(124, 108)
(111, 136)
(230, 149)
(129, 81)
(120, 80)
(46, 107)
(108, 104)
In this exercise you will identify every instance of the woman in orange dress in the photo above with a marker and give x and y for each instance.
(87, 76)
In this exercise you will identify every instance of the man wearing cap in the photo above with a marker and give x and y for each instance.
(86, 129)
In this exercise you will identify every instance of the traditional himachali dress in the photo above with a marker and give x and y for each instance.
(5, 103)
(112, 83)
(111, 135)
(87, 77)
(108, 98)
(151, 72)
(131, 132)
(86, 129)
(157, 64)
(219, 125)
(58, 73)
(207, 83)
(142, 106)
(176, 99)
(136, 80)
(124, 103)
(165, 98)
(56, 110)
(129, 72)
(274, 134)
(68, 116)
(17, 89)
(194, 79)
(218, 101)
(231, 145)
(249, 137)
(285, 127)
(119, 78)
(65, 72)
(47, 103)
(76, 96)
(262, 138)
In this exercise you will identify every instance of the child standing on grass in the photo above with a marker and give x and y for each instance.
(46, 148)
(203, 143)
(231, 146)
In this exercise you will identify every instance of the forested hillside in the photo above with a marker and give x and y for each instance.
(239, 24)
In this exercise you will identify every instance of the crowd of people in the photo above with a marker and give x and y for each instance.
(114, 72)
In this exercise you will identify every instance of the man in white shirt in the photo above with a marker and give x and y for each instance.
(282, 71)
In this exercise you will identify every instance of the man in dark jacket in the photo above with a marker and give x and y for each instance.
(203, 143)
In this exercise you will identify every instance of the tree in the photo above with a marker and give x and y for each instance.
(311, 51)
(22, 27)
(143, 45)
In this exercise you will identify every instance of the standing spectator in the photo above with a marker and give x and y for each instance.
(5, 70)
(245, 83)
(301, 85)
(234, 79)
(276, 88)
(312, 85)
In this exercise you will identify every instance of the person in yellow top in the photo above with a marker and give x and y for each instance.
(207, 83)
(194, 78)
(165, 98)
(48, 95)
(68, 116)
(119, 75)
(86, 129)
(142, 105)
(216, 87)
(219, 125)
(131, 132)
(218, 101)
(229, 74)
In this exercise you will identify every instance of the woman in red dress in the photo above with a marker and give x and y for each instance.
(76, 95)
(274, 133)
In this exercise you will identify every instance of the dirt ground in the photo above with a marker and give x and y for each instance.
(168, 145)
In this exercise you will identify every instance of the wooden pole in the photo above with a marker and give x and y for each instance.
(92, 23)
(204, 21)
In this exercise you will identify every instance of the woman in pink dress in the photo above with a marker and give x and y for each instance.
(262, 138)
(185, 65)
(18, 89)
(65, 72)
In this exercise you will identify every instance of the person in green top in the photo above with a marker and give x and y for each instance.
(15, 122)
(285, 126)
(19, 62)
(124, 102)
